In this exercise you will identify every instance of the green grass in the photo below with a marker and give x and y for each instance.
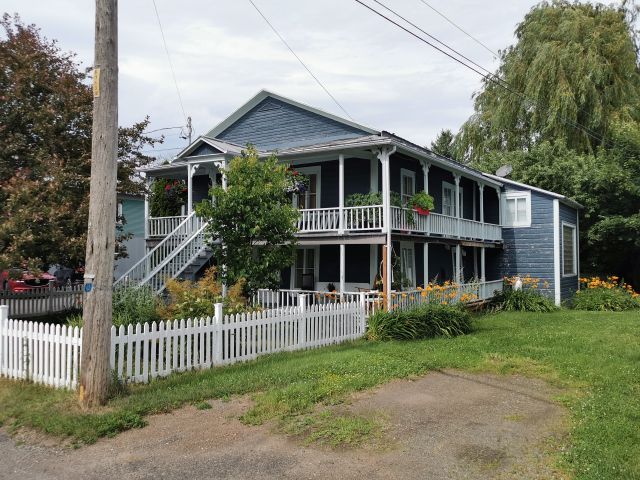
(595, 355)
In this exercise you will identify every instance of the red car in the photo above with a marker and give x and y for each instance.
(23, 281)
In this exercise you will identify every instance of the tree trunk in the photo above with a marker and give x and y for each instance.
(95, 375)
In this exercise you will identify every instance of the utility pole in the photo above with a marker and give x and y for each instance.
(189, 129)
(98, 279)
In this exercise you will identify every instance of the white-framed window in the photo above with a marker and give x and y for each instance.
(569, 250)
(311, 198)
(304, 270)
(408, 262)
(516, 209)
(407, 185)
(448, 199)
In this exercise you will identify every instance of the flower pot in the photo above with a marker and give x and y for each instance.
(422, 211)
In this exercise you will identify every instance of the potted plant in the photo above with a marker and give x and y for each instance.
(422, 203)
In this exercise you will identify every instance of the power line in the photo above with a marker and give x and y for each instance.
(160, 129)
(173, 74)
(489, 77)
(461, 29)
(300, 60)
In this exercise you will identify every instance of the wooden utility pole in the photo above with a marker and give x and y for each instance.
(95, 374)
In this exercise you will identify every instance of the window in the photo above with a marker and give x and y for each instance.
(407, 185)
(448, 202)
(569, 253)
(407, 263)
(516, 209)
(305, 269)
(311, 198)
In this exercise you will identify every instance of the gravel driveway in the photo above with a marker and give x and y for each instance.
(444, 425)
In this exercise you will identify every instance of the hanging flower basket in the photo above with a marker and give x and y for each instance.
(297, 183)
(422, 203)
(421, 211)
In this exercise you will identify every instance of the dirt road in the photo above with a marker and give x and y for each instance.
(444, 425)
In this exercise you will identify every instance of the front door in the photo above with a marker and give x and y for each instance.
(310, 198)
(305, 269)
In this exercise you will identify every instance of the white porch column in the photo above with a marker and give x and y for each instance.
(224, 175)
(425, 263)
(499, 205)
(481, 188)
(458, 272)
(189, 189)
(341, 193)
(482, 270)
(147, 183)
(373, 180)
(456, 179)
(383, 155)
(425, 173)
(342, 267)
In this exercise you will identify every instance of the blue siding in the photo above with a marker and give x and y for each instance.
(133, 213)
(273, 125)
(529, 250)
(204, 149)
(568, 285)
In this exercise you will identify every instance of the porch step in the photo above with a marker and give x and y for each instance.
(191, 271)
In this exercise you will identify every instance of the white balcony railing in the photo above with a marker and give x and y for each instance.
(407, 220)
(328, 219)
(163, 226)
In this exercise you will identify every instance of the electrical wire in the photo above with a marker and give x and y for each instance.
(489, 77)
(173, 73)
(299, 59)
(495, 54)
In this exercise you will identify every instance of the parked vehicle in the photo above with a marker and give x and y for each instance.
(66, 276)
(17, 280)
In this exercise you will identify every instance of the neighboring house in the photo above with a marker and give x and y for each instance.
(131, 210)
(483, 227)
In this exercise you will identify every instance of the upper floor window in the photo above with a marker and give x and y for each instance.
(569, 250)
(407, 185)
(516, 208)
(448, 199)
(310, 198)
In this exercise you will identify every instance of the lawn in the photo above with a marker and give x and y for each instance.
(595, 356)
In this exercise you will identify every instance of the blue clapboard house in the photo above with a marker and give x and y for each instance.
(483, 227)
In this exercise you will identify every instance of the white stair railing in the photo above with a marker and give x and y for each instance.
(170, 257)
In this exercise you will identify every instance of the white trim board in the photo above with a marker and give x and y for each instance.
(575, 248)
(566, 200)
(556, 250)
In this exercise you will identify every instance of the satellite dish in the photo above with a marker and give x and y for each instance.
(504, 170)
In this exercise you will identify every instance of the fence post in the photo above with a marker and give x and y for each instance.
(4, 313)
(218, 344)
(302, 322)
(363, 307)
(50, 303)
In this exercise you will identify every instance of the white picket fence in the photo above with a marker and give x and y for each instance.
(50, 354)
(42, 300)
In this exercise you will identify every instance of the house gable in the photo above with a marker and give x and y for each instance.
(271, 122)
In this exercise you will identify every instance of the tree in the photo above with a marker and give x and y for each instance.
(444, 144)
(255, 221)
(573, 64)
(45, 150)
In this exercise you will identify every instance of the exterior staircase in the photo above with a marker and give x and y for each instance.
(180, 254)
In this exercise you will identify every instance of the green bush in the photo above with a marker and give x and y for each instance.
(525, 300)
(425, 321)
(604, 299)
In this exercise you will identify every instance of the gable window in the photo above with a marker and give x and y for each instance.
(448, 199)
(310, 198)
(407, 185)
(516, 209)
(569, 251)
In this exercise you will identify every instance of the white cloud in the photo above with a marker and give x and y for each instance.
(223, 53)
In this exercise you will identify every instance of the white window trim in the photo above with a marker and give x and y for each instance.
(503, 208)
(317, 170)
(575, 248)
(410, 246)
(407, 173)
(461, 199)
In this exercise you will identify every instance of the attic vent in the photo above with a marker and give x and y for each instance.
(269, 106)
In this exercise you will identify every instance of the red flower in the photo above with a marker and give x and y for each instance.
(167, 187)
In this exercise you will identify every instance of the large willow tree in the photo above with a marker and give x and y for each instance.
(573, 64)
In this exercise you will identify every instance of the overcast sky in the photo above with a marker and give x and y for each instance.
(223, 53)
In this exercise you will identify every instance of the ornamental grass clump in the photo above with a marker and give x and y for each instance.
(424, 321)
(610, 294)
(523, 294)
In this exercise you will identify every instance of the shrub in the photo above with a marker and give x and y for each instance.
(424, 321)
(525, 300)
(610, 294)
